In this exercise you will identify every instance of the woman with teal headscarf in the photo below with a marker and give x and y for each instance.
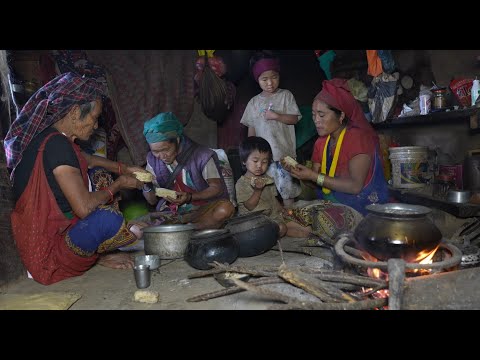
(190, 169)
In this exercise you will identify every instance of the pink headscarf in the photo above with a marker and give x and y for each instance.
(263, 65)
(336, 93)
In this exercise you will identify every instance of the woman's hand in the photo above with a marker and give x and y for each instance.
(130, 169)
(302, 172)
(129, 182)
(182, 198)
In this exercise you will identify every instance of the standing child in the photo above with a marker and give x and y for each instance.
(272, 115)
(255, 190)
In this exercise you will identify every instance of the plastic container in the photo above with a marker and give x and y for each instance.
(474, 91)
(439, 98)
(409, 166)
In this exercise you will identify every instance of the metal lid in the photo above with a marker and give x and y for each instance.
(168, 228)
(208, 233)
(399, 210)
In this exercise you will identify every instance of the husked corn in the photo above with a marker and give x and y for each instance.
(161, 192)
(143, 176)
(290, 161)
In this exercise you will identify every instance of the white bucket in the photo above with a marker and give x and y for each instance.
(409, 166)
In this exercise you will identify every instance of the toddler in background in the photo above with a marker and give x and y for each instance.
(255, 190)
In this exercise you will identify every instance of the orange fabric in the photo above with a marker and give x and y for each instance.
(39, 228)
(374, 63)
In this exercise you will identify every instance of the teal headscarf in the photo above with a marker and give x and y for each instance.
(163, 127)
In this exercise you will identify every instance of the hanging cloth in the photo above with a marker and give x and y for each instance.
(374, 63)
(333, 167)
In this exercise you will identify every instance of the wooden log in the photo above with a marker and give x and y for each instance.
(318, 288)
(454, 290)
(271, 294)
(234, 289)
(219, 268)
(316, 251)
(246, 270)
(338, 276)
(396, 276)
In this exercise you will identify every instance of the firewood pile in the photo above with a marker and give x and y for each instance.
(335, 290)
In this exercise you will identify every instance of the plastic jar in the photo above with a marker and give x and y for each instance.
(439, 98)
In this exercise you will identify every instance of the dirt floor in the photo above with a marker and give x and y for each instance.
(102, 288)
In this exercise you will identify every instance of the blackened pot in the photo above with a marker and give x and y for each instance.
(397, 231)
(254, 233)
(207, 246)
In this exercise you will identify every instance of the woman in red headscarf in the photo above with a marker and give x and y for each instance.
(60, 227)
(347, 167)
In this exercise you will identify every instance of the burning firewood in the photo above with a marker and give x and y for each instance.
(338, 276)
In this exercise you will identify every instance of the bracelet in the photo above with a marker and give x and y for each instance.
(189, 199)
(110, 192)
(320, 179)
(119, 168)
(147, 188)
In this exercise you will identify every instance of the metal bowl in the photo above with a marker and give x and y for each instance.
(151, 260)
(167, 241)
(458, 196)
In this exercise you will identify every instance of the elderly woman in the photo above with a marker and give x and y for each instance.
(61, 228)
(191, 170)
(347, 167)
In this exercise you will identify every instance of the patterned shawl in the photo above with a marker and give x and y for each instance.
(48, 105)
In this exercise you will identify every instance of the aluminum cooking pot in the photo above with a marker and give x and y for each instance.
(397, 231)
(167, 241)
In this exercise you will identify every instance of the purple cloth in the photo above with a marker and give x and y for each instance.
(194, 166)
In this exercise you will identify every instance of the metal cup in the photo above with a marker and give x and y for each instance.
(142, 276)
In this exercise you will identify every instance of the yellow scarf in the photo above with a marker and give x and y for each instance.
(323, 169)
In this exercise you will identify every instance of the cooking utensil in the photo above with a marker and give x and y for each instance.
(458, 196)
(151, 260)
(397, 230)
(142, 276)
(254, 233)
(207, 246)
(167, 241)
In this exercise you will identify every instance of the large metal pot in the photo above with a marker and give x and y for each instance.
(255, 233)
(397, 231)
(207, 246)
(167, 241)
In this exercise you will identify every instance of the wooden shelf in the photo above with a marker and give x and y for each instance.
(435, 118)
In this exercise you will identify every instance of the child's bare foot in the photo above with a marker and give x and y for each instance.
(116, 261)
